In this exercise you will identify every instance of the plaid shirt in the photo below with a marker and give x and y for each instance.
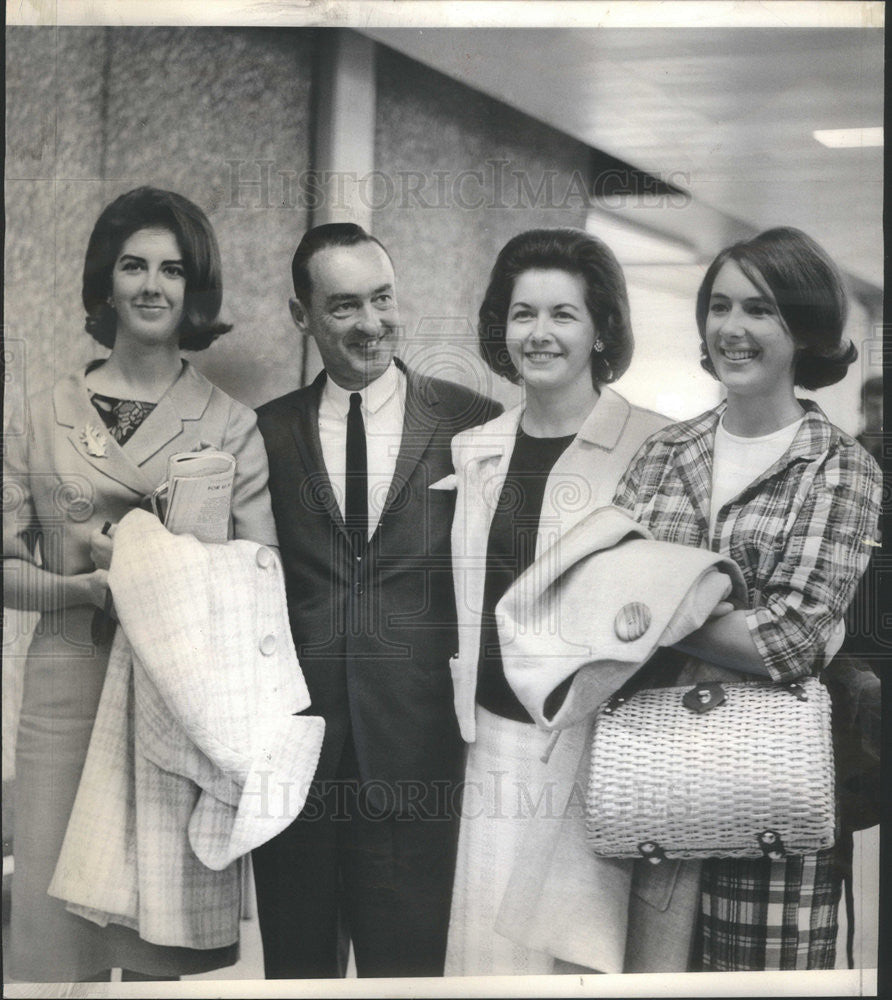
(801, 532)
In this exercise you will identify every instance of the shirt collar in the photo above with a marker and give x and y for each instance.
(814, 436)
(374, 395)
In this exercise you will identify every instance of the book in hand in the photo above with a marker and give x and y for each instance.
(197, 497)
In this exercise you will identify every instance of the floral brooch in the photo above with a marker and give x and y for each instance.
(94, 440)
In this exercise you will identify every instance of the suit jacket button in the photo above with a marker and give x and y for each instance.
(268, 645)
(357, 588)
(264, 557)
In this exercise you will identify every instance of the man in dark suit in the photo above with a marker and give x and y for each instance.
(364, 533)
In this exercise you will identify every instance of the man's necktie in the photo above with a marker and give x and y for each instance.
(356, 495)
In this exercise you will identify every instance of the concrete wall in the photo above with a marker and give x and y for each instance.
(93, 112)
(466, 173)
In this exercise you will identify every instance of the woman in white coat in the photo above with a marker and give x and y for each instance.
(555, 318)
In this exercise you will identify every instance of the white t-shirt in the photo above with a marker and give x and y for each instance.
(737, 461)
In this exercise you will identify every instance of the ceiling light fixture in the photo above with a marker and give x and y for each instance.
(848, 138)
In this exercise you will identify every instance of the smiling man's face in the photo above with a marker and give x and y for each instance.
(352, 313)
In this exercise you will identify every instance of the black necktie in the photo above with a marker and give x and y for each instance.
(356, 494)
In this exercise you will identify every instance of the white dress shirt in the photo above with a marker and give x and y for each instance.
(383, 408)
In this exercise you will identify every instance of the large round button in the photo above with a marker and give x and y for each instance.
(632, 621)
(268, 645)
(264, 557)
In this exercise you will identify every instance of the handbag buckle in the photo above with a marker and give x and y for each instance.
(651, 851)
(794, 687)
(771, 844)
(613, 703)
(704, 697)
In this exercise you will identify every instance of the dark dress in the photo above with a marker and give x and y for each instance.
(510, 550)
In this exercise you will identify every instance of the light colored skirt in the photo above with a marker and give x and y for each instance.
(504, 790)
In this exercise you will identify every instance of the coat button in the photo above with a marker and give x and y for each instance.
(268, 645)
(632, 621)
(264, 557)
(357, 588)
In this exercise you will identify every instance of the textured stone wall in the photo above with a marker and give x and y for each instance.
(465, 174)
(93, 112)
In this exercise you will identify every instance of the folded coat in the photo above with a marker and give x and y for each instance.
(596, 606)
(196, 755)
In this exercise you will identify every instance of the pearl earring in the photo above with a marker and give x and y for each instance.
(598, 346)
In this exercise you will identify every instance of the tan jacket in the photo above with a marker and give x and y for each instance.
(596, 606)
(66, 474)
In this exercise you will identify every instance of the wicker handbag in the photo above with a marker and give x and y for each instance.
(728, 770)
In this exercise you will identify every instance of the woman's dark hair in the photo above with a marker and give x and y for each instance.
(788, 267)
(151, 208)
(575, 252)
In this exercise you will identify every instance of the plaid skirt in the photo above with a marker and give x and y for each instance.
(759, 914)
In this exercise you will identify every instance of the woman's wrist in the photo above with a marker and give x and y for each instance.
(59, 591)
(93, 588)
(44, 591)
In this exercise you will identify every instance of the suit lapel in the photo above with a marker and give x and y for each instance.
(419, 423)
(187, 399)
(90, 439)
(573, 485)
(420, 420)
(305, 429)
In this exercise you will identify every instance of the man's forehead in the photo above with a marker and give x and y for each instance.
(349, 270)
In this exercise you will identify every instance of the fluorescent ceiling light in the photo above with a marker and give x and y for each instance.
(847, 138)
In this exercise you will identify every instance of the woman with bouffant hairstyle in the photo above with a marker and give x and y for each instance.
(90, 449)
(554, 319)
(604, 292)
(144, 208)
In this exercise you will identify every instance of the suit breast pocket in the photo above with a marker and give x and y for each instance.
(417, 522)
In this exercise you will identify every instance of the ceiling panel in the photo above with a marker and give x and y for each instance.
(733, 109)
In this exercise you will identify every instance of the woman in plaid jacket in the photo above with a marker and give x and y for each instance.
(767, 479)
